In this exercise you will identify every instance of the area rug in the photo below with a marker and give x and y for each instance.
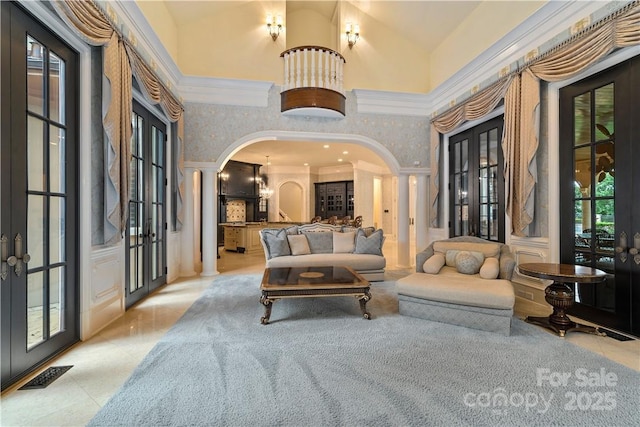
(319, 363)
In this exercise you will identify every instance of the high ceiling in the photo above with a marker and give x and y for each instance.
(426, 23)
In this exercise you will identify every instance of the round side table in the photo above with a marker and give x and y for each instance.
(560, 295)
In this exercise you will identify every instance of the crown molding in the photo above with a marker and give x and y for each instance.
(540, 28)
(146, 37)
(398, 103)
(208, 90)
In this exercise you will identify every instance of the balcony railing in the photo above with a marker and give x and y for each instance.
(313, 82)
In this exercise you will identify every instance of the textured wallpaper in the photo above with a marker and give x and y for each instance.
(209, 129)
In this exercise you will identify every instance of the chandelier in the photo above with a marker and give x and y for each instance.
(265, 191)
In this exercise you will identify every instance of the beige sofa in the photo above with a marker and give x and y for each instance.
(467, 282)
(320, 245)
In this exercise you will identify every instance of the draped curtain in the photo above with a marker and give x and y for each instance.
(475, 108)
(522, 107)
(118, 60)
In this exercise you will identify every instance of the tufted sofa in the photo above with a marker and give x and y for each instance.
(326, 245)
(464, 281)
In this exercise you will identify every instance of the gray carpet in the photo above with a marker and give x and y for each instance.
(319, 363)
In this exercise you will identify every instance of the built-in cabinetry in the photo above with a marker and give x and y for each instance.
(239, 196)
(334, 199)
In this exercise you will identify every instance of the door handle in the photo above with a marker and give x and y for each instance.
(4, 250)
(621, 249)
(17, 260)
(635, 250)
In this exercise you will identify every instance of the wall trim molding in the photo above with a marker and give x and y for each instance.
(210, 90)
(398, 103)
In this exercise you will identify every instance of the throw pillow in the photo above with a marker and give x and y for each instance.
(434, 263)
(450, 257)
(371, 244)
(490, 268)
(276, 241)
(299, 244)
(343, 243)
(320, 242)
(469, 262)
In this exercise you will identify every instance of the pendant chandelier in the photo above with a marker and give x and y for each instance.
(265, 191)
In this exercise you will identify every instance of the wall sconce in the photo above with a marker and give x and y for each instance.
(353, 34)
(274, 25)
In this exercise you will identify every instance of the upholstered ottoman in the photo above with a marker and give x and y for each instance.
(459, 300)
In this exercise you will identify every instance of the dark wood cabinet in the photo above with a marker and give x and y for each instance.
(334, 199)
(237, 181)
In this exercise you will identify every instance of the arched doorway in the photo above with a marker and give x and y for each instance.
(291, 202)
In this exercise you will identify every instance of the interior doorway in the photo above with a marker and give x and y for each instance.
(290, 203)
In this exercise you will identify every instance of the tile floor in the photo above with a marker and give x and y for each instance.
(102, 363)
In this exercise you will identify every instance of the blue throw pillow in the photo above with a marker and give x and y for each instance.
(321, 242)
(277, 242)
(371, 244)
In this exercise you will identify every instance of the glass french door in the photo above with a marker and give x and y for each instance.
(600, 194)
(38, 233)
(476, 180)
(146, 250)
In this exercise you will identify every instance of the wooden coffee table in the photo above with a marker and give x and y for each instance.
(311, 282)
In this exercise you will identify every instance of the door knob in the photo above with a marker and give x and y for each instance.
(17, 260)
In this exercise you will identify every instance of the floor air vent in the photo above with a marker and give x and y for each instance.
(45, 378)
(616, 335)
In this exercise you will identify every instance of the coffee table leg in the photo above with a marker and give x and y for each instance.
(363, 305)
(264, 300)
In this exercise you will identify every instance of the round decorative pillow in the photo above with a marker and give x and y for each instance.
(469, 262)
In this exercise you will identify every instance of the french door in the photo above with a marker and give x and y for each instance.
(146, 234)
(600, 194)
(476, 180)
(38, 226)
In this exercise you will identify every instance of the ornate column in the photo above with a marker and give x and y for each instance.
(403, 221)
(422, 212)
(197, 209)
(209, 221)
(186, 260)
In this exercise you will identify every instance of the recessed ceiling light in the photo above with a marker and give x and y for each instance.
(326, 146)
(339, 160)
(345, 152)
(306, 164)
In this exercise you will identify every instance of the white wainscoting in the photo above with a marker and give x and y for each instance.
(173, 255)
(103, 295)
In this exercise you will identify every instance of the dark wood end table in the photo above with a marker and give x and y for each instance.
(560, 295)
(305, 282)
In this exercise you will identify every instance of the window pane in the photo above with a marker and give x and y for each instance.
(483, 149)
(484, 186)
(493, 147)
(604, 97)
(56, 300)
(605, 167)
(465, 155)
(57, 160)
(582, 167)
(456, 159)
(582, 117)
(56, 230)
(35, 312)
(35, 76)
(35, 163)
(35, 230)
(56, 89)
